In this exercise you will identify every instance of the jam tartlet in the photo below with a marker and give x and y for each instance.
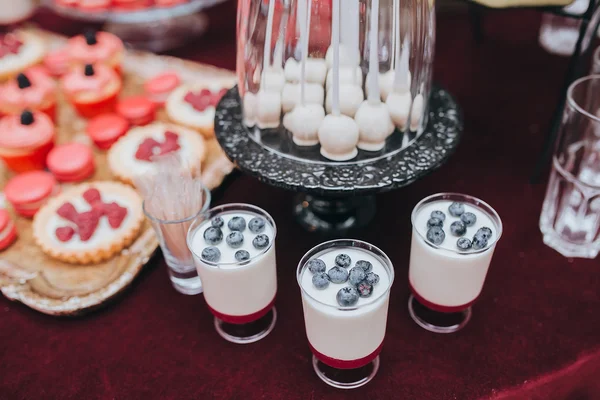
(33, 89)
(92, 89)
(8, 230)
(71, 162)
(106, 129)
(194, 105)
(96, 48)
(26, 140)
(28, 192)
(134, 153)
(89, 223)
(19, 50)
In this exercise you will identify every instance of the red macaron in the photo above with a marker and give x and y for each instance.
(106, 129)
(138, 110)
(8, 230)
(29, 191)
(71, 162)
(159, 87)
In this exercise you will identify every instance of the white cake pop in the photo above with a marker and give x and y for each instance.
(347, 59)
(304, 122)
(399, 107)
(351, 96)
(268, 109)
(416, 112)
(374, 125)
(316, 70)
(273, 79)
(338, 135)
(290, 96)
(386, 84)
(346, 76)
(250, 109)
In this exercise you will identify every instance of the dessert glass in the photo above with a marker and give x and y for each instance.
(351, 359)
(240, 294)
(446, 281)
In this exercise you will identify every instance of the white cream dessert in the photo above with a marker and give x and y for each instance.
(345, 321)
(452, 247)
(235, 256)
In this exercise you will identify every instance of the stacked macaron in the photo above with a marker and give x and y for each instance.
(29, 191)
(8, 230)
(71, 162)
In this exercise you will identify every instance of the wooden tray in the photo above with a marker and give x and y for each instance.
(29, 276)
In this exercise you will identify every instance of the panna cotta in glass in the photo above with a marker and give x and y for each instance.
(234, 250)
(453, 240)
(345, 287)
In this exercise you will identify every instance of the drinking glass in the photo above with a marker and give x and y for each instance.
(570, 219)
(172, 238)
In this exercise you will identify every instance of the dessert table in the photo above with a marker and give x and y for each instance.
(534, 332)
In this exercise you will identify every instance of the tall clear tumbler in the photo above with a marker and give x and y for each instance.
(570, 220)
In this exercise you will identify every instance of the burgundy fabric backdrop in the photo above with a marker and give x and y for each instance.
(537, 316)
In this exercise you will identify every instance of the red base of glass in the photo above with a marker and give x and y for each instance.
(346, 364)
(438, 307)
(242, 319)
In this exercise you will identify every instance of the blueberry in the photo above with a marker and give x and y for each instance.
(320, 280)
(367, 266)
(356, 276)
(372, 278)
(458, 228)
(235, 239)
(217, 222)
(347, 296)
(485, 231)
(468, 218)
(316, 266)
(435, 222)
(256, 225)
(242, 255)
(365, 289)
(211, 254)
(463, 243)
(213, 236)
(436, 235)
(237, 224)
(438, 214)
(261, 242)
(338, 274)
(456, 209)
(480, 241)
(343, 260)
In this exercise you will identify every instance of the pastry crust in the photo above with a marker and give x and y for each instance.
(110, 245)
(123, 148)
(181, 114)
(35, 54)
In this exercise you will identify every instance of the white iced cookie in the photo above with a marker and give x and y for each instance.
(386, 84)
(250, 102)
(338, 135)
(374, 125)
(346, 76)
(290, 96)
(273, 79)
(268, 105)
(399, 107)
(417, 112)
(315, 69)
(351, 96)
(346, 58)
(304, 122)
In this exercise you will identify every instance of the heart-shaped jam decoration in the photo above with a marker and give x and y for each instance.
(151, 147)
(204, 99)
(9, 44)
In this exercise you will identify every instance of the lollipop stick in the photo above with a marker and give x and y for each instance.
(374, 54)
(335, 33)
(395, 33)
(304, 35)
(268, 37)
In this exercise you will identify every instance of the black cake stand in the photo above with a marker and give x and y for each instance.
(334, 197)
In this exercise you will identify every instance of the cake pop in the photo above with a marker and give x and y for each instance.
(290, 96)
(346, 77)
(273, 79)
(249, 109)
(304, 122)
(416, 112)
(316, 70)
(268, 106)
(351, 96)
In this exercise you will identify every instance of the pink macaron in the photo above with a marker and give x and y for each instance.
(71, 162)
(29, 191)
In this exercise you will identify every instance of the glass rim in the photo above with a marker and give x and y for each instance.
(571, 101)
(205, 206)
(226, 208)
(388, 265)
(446, 196)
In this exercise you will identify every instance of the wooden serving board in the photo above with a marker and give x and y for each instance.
(29, 276)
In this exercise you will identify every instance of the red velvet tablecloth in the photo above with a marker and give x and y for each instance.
(534, 334)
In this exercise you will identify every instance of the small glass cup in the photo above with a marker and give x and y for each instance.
(445, 282)
(240, 295)
(346, 341)
(172, 238)
(570, 218)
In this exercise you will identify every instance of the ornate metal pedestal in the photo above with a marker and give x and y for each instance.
(338, 196)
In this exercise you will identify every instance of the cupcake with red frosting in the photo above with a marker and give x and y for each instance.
(26, 140)
(96, 48)
(33, 90)
(92, 89)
